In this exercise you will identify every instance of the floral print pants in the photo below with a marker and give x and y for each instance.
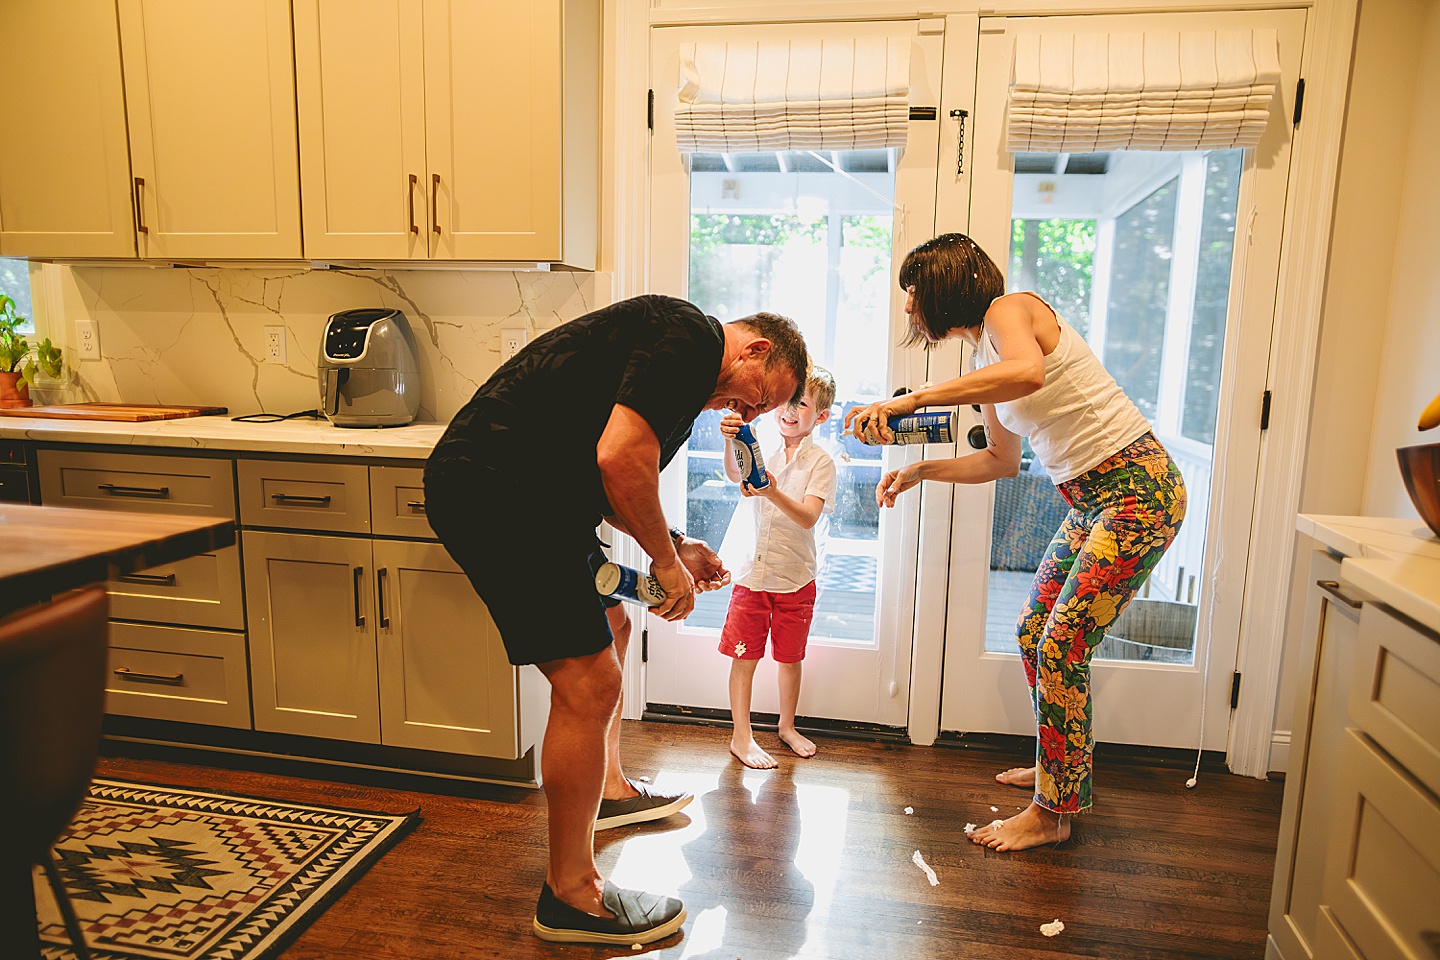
(1123, 515)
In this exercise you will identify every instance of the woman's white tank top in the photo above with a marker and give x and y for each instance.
(1080, 418)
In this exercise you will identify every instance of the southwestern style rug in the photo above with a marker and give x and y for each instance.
(159, 873)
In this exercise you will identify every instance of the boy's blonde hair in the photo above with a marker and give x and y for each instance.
(820, 384)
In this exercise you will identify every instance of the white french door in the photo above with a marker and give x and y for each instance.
(1167, 263)
(815, 236)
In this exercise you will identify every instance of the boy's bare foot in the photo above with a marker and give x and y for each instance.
(750, 754)
(802, 745)
(1032, 827)
(1018, 777)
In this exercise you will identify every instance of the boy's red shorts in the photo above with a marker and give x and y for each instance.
(755, 614)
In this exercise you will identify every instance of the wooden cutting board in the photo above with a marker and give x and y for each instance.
(132, 412)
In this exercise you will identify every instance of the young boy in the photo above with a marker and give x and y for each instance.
(774, 592)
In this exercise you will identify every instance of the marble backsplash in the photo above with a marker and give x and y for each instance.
(197, 335)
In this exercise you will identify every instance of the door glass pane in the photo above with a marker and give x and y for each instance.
(1134, 250)
(806, 235)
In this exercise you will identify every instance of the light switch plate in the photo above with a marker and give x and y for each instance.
(87, 335)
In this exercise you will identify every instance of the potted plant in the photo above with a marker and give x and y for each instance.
(17, 367)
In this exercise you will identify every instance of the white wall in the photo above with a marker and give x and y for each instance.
(1380, 335)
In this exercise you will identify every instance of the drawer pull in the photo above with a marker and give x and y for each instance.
(149, 493)
(380, 597)
(172, 680)
(1332, 587)
(359, 614)
(418, 506)
(167, 580)
(297, 498)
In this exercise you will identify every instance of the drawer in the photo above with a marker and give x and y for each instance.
(1395, 697)
(301, 495)
(1382, 877)
(174, 673)
(135, 482)
(397, 502)
(200, 591)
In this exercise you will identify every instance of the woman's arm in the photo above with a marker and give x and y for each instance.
(1000, 458)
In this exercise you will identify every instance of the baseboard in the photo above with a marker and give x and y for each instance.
(709, 717)
(1279, 752)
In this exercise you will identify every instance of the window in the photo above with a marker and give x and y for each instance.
(15, 284)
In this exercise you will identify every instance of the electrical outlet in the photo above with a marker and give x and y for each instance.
(87, 333)
(275, 344)
(511, 340)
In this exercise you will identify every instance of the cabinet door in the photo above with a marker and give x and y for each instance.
(65, 170)
(312, 635)
(360, 88)
(210, 94)
(445, 683)
(492, 124)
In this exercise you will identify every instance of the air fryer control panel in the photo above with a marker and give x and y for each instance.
(345, 335)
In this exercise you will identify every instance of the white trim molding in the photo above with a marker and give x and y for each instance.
(1314, 172)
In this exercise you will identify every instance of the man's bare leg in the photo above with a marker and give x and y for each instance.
(584, 692)
(742, 740)
(616, 786)
(789, 700)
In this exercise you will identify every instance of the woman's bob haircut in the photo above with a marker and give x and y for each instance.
(955, 282)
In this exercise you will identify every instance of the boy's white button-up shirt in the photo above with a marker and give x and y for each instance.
(786, 555)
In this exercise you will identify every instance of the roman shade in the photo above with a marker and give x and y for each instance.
(833, 94)
(1157, 90)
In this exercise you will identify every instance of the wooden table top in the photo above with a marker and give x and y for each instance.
(48, 550)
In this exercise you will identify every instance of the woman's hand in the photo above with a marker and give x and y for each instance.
(895, 483)
(766, 491)
(871, 424)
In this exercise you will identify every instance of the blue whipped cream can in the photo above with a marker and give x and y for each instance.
(935, 427)
(748, 458)
(625, 583)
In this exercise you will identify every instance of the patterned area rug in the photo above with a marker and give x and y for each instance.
(157, 872)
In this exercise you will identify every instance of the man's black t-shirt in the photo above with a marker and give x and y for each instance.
(537, 421)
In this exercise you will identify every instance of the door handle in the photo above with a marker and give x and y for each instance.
(435, 203)
(140, 206)
(380, 597)
(359, 614)
(414, 227)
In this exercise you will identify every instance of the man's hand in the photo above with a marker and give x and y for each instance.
(768, 491)
(703, 563)
(679, 586)
(895, 483)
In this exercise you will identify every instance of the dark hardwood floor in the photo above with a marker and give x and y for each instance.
(813, 859)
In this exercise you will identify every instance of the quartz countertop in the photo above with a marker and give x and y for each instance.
(1395, 560)
(413, 442)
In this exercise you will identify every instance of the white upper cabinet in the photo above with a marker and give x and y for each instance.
(64, 170)
(209, 93)
(449, 129)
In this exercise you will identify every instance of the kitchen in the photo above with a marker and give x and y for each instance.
(179, 314)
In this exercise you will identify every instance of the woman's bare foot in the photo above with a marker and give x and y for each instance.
(1018, 777)
(802, 745)
(1032, 827)
(749, 753)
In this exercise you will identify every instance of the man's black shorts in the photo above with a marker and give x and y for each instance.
(531, 562)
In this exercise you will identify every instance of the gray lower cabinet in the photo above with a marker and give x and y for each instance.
(1357, 870)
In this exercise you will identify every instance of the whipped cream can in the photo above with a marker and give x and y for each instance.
(936, 427)
(749, 459)
(625, 583)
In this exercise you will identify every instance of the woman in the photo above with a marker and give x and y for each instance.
(1035, 377)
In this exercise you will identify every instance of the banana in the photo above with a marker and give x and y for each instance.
(1430, 416)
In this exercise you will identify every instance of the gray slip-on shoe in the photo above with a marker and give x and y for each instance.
(649, 805)
(639, 918)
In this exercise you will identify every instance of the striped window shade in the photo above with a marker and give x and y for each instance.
(1158, 90)
(754, 96)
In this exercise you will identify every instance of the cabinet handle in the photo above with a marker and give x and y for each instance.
(414, 227)
(168, 580)
(1332, 587)
(140, 206)
(297, 498)
(435, 202)
(380, 597)
(359, 614)
(418, 506)
(150, 493)
(172, 680)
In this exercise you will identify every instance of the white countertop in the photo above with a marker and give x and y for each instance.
(221, 433)
(1395, 560)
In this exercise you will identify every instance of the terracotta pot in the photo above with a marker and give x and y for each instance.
(13, 393)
